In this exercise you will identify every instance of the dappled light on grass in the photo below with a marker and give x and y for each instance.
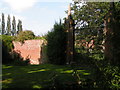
(36, 86)
(5, 67)
(40, 76)
(7, 74)
(67, 71)
(59, 70)
(41, 70)
(86, 73)
(7, 81)
(81, 72)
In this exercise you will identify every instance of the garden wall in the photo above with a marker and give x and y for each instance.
(30, 49)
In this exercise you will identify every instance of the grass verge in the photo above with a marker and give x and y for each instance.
(42, 76)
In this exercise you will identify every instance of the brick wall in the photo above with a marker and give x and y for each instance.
(29, 49)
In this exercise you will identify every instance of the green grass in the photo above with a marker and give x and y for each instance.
(41, 76)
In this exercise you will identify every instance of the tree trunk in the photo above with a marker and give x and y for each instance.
(112, 36)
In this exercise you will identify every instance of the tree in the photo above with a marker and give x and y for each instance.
(112, 33)
(56, 44)
(8, 29)
(0, 27)
(13, 26)
(89, 20)
(25, 35)
(90, 13)
(19, 26)
(3, 24)
(7, 47)
(89, 24)
(89, 17)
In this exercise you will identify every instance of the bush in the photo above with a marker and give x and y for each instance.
(56, 45)
(25, 35)
(7, 41)
(112, 74)
(18, 60)
(41, 37)
(7, 47)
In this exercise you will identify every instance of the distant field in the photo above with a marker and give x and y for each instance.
(41, 76)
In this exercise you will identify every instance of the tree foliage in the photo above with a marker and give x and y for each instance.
(8, 28)
(56, 44)
(112, 35)
(13, 26)
(90, 13)
(3, 24)
(89, 20)
(7, 47)
(19, 26)
(25, 35)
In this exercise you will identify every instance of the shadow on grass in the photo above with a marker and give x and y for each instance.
(42, 76)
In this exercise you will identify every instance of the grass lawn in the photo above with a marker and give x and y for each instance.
(42, 76)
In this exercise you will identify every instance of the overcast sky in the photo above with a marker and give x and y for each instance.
(36, 15)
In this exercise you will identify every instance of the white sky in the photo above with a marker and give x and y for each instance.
(36, 15)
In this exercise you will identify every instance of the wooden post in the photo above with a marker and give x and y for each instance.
(69, 24)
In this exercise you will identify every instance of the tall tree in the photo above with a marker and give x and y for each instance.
(8, 29)
(13, 26)
(112, 33)
(90, 13)
(0, 27)
(89, 19)
(3, 24)
(56, 46)
(19, 26)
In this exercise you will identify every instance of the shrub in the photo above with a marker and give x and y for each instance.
(7, 47)
(18, 60)
(41, 37)
(56, 44)
(112, 74)
(25, 35)
(7, 41)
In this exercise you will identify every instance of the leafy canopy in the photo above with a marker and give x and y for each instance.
(25, 35)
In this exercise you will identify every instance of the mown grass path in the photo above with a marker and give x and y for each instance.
(42, 76)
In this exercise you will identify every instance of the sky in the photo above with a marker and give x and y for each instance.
(38, 16)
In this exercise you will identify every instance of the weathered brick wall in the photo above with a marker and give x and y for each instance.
(29, 49)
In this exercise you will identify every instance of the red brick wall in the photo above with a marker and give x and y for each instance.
(29, 49)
